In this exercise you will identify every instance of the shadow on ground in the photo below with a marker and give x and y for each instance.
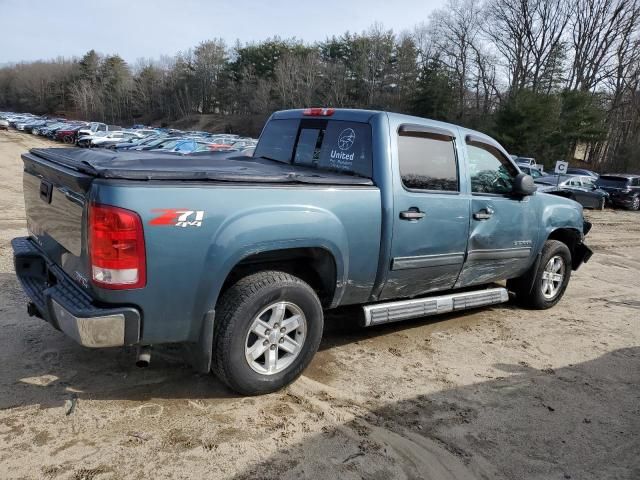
(581, 422)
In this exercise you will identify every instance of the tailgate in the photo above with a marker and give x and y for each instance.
(55, 197)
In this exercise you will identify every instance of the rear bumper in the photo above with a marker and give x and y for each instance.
(622, 200)
(61, 302)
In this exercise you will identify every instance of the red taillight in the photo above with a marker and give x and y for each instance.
(319, 112)
(116, 248)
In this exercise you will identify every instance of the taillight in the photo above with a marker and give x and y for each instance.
(319, 112)
(116, 248)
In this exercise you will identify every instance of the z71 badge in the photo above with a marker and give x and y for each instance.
(178, 217)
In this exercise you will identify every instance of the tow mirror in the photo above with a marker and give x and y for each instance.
(523, 184)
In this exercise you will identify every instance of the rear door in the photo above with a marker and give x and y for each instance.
(431, 216)
(503, 227)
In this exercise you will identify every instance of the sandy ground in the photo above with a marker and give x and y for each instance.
(496, 393)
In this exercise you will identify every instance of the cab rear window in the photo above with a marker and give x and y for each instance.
(332, 145)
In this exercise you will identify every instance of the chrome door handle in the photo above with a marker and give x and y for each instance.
(484, 214)
(413, 214)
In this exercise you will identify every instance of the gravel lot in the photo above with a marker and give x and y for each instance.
(496, 393)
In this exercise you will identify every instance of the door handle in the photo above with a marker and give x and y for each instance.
(413, 214)
(484, 214)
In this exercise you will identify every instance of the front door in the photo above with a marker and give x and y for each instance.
(431, 216)
(503, 227)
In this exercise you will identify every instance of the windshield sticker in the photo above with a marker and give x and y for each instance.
(340, 159)
(178, 217)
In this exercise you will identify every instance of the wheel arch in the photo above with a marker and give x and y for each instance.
(314, 265)
(571, 237)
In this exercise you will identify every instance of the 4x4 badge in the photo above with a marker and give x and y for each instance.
(178, 217)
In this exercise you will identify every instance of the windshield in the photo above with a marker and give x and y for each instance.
(616, 182)
(322, 144)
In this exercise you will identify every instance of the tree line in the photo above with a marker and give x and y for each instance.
(552, 79)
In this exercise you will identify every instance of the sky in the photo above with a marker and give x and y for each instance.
(45, 29)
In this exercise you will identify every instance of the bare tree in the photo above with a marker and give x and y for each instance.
(296, 78)
(599, 29)
(455, 31)
(528, 35)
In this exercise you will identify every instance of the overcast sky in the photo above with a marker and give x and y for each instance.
(45, 29)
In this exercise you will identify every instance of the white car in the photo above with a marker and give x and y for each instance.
(92, 128)
(112, 138)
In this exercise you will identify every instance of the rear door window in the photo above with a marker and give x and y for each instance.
(323, 144)
(428, 162)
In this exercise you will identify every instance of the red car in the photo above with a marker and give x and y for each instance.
(68, 134)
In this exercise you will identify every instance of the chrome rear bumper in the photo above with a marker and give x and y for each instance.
(58, 300)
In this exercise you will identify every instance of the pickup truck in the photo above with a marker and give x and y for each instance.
(238, 258)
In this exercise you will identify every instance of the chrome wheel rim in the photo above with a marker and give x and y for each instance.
(275, 338)
(552, 277)
(636, 203)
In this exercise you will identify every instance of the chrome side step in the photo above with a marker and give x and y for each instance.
(424, 307)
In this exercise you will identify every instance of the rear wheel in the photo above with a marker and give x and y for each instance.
(542, 287)
(635, 203)
(267, 329)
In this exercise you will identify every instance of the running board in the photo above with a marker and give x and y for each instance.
(424, 307)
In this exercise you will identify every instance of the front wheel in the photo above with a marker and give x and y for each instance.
(542, 287)
(267, 329)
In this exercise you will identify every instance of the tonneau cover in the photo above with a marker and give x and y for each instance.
(216, 166)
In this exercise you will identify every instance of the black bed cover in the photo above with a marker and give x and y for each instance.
(215, 166)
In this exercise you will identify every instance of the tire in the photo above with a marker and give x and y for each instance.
(602, 204)
(635, 205)
(531, 290)
(260, 297)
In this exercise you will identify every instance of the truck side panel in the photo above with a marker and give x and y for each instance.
(187, 265)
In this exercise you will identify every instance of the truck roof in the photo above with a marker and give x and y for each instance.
(362, 115)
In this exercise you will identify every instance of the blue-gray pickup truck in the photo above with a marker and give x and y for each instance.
(238, 258)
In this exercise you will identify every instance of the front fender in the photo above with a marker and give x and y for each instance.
(260, 229)
(559, 212)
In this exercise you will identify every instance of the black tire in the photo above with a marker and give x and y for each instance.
(235, 314)
(529, 287)
(636, 203)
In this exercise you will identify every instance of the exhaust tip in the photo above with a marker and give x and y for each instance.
(143, 358)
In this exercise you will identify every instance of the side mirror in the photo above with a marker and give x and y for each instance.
(523, 184)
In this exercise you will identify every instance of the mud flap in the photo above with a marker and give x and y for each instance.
(199, 353)
(581, 254)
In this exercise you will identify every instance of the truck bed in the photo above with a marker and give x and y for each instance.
(199, 167)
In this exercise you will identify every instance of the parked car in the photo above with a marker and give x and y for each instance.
(68, 134)
(238, 257)
(623, 189)
(582, 172)
(578, 188)
(128, 145)
(111, 138)
(532, 171)
(84, 141)
(112, 142)
(4, 124)
(92, 128)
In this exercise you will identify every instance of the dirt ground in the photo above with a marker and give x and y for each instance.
(496, 393)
